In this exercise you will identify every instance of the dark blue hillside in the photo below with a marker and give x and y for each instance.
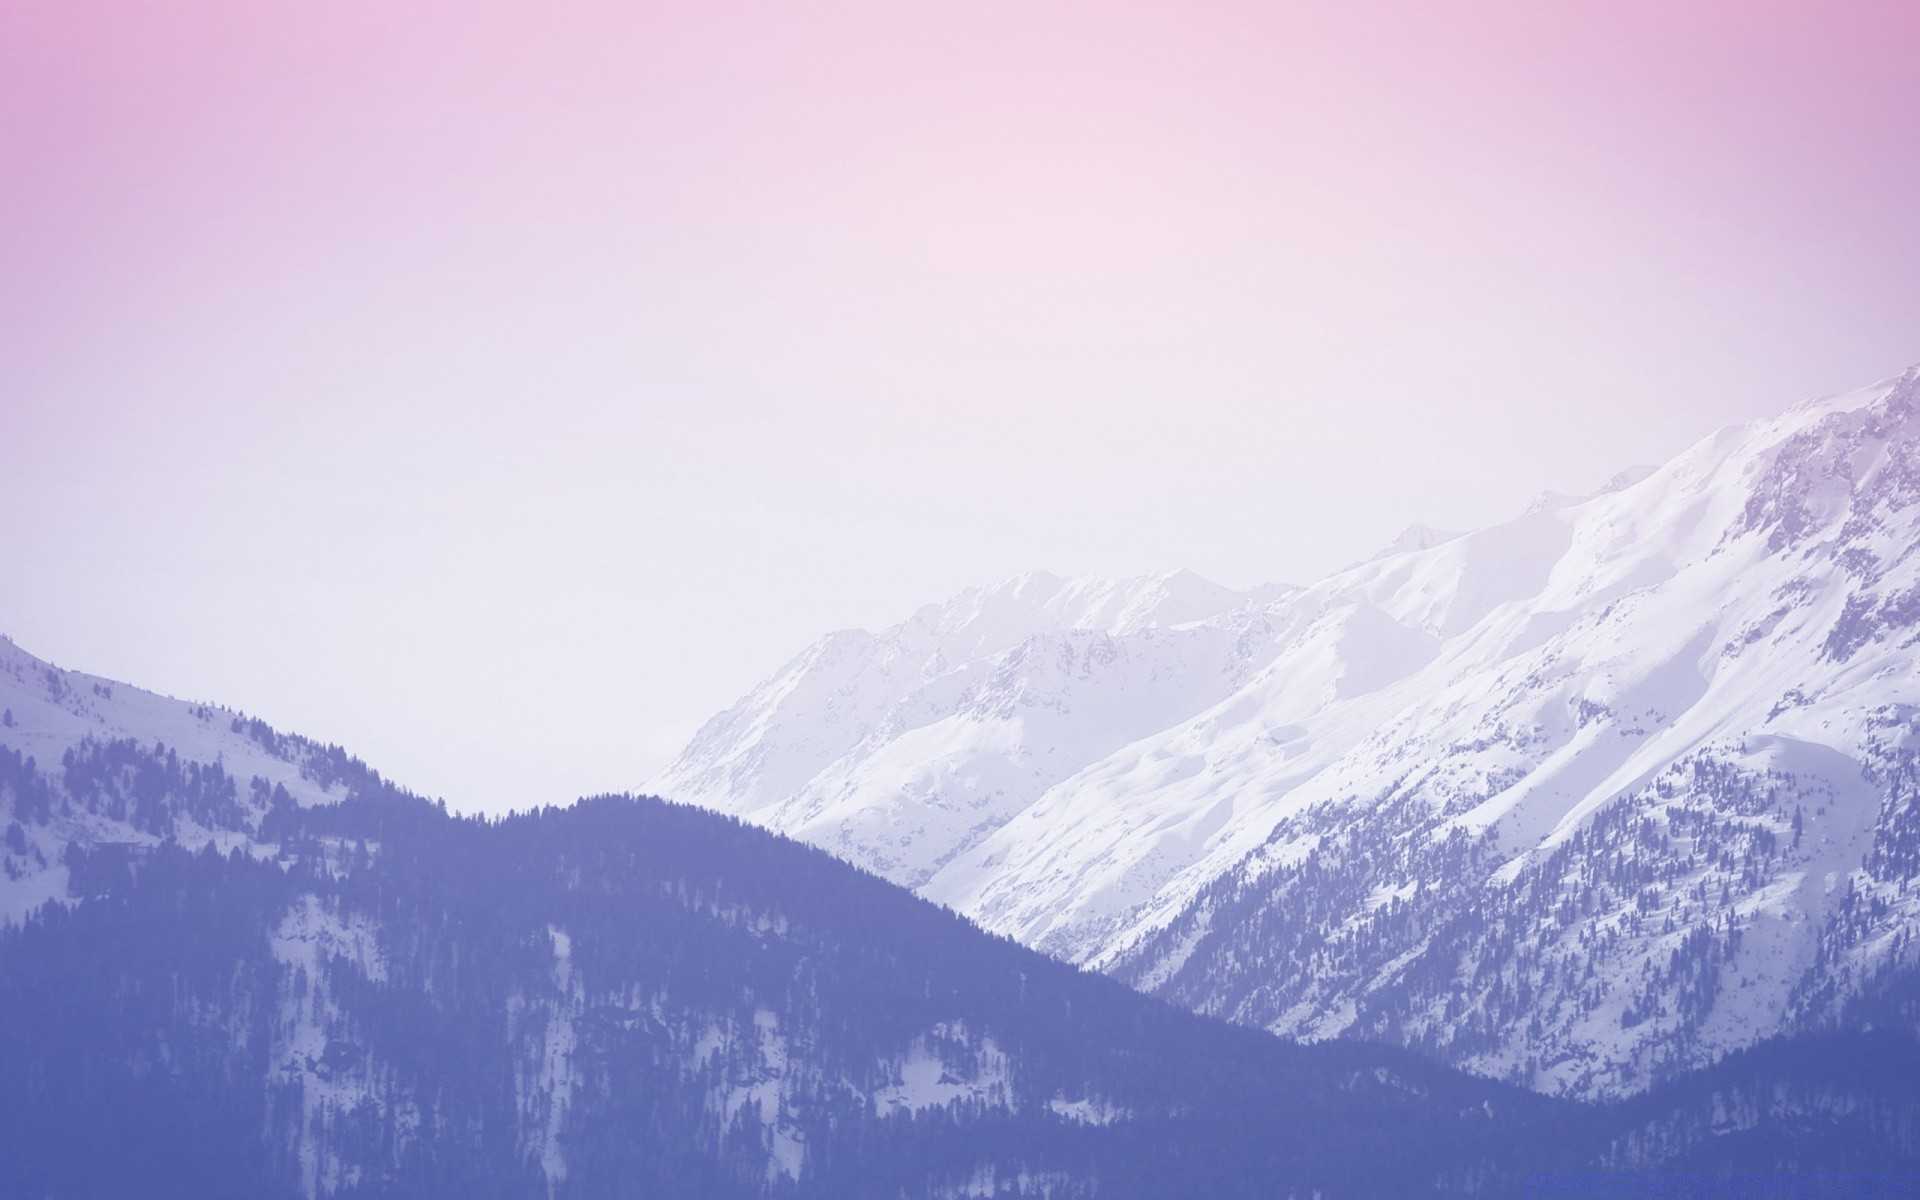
(631, 998)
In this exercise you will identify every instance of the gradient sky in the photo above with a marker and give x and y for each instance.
(501, 388)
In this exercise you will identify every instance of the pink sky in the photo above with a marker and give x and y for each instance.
(382, 368)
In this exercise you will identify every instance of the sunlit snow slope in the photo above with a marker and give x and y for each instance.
(1581, 799)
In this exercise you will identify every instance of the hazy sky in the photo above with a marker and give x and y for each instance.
(499, 389)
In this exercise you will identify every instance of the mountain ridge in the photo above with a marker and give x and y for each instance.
(1746, 607)
(362, 995)
(374, 998)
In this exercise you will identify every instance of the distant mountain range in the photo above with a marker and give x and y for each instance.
(1615, 800)
(1581, 801)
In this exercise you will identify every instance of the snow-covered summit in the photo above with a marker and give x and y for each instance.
(1412, 538)
(1111, 790)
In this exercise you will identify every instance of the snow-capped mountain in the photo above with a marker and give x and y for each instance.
(1582, 799)
(48, 716)
(902, 750)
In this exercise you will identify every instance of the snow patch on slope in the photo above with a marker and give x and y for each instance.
(311, 1048)
(945, 1068)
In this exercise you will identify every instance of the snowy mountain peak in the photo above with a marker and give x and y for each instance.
(1415, 537)
(1626, 478)
(1117, 606)
(1702, 676)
